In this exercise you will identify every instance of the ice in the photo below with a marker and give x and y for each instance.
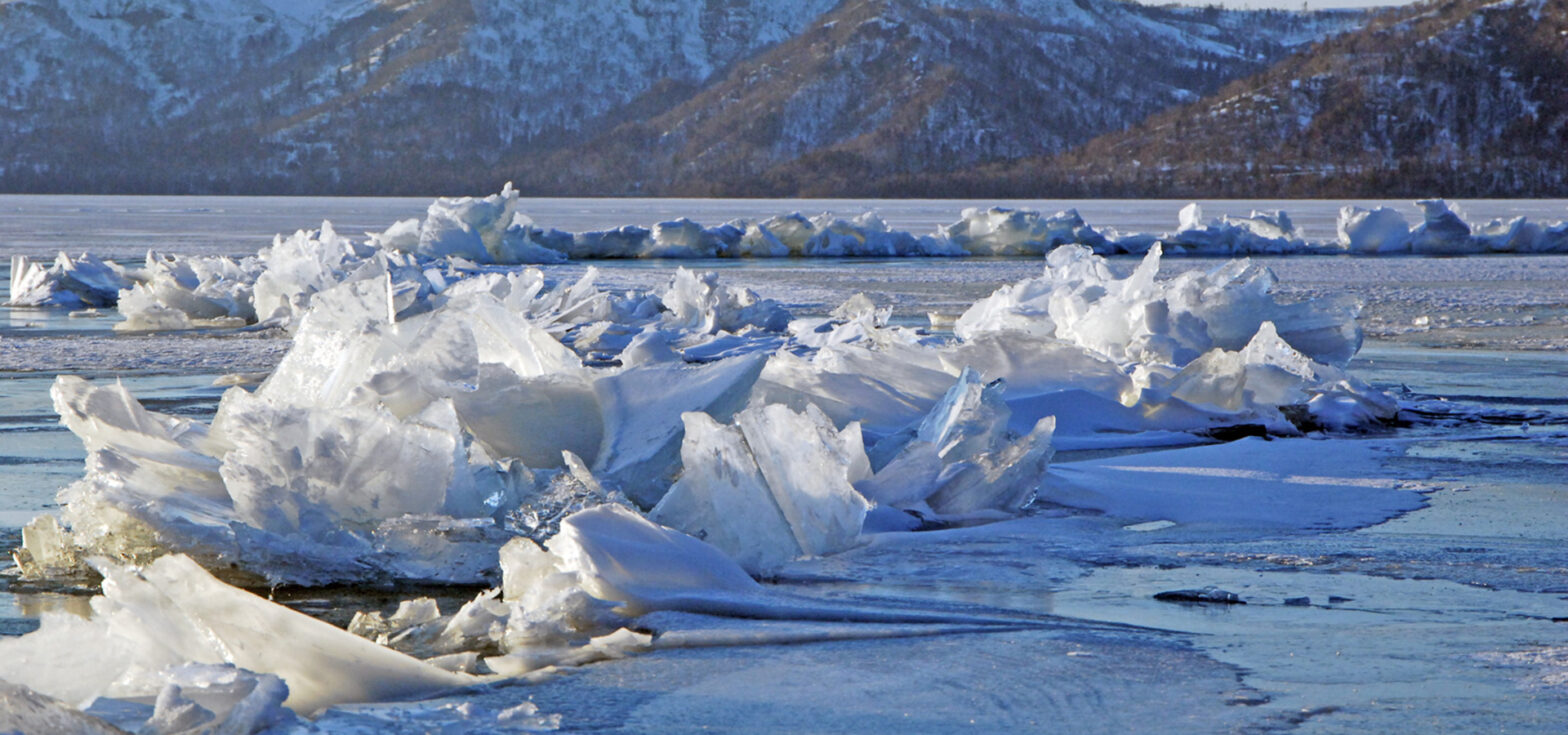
(881, 385)
(1249, 483)
(277, 491)
(610, 570)
(1267, 374)
(183, 293)
(1373, 231)
(1003, 231)
(23, 710)
(566, 604)
(297, 267)
(76, 283)
(642, 413)
(389, 446)
(428, 410)
(459, 237)
(775, 486)
(698, 304)
(1143, 320)
(152, 623)
(479, 229)
(1260, 232)
(981, 468)
(779, 484)
(1443, 232)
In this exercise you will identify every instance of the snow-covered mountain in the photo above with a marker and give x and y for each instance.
(1455, 97)
(883, 88)
(425, 96)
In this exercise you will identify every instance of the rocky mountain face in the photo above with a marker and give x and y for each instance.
(890, 87)
(593, 96)
(1463, 98)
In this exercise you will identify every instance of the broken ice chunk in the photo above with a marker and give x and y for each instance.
(77, 283)
(1442, 232)
(1209, 595)
(774, 486)
(1381, 230)
(961, 460)
(150, 622)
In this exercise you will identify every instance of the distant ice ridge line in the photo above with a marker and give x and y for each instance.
(460, 235)
(494, 230)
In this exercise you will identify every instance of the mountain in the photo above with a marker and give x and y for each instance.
(1460, 98)
(883, 87)
(593, 96)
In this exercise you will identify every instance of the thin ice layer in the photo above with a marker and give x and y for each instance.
(1246, 484)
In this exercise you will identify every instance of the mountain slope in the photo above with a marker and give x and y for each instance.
(1458, 98)
(594, 96)
(882, 87)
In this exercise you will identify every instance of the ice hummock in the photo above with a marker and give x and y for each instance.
(407, 434)
(77, 283)
(461, 238)
(610, 456)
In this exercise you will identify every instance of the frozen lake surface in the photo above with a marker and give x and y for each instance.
(1408, 580)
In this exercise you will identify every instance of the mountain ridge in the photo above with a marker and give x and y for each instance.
(597, 96)
(1459, 98)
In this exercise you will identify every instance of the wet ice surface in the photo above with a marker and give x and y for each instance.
(1440, 618)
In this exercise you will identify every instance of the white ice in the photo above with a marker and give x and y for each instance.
(459, 236)
(152, 623)
(76, 283)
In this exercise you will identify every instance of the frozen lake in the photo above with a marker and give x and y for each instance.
(1447, 616)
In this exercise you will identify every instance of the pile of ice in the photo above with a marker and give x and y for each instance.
(84, 282)
(1260, 233)
(395, 448)
(461, 237)
(179, 651)
(407, 436)
(1443, 231)
(169, 648)
(604, 456)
